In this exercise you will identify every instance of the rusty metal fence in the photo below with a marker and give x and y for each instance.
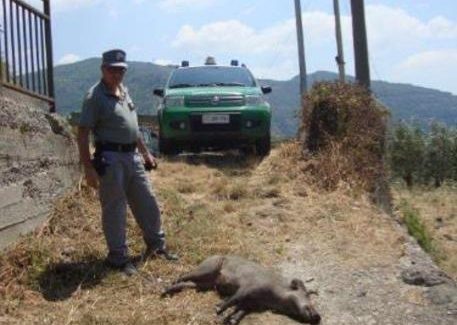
(26, 49)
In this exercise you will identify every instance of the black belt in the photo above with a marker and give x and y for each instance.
(112, 146)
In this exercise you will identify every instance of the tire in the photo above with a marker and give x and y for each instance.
(263, 146)
(247, 150)
(166, 147)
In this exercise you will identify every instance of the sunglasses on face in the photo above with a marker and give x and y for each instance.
(115, 70)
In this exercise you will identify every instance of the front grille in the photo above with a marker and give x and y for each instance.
(214, 100)
(197, 125)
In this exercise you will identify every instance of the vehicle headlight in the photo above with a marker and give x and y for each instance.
(254, 100)
(171, 101)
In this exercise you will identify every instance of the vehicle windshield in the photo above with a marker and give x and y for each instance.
(211, 77)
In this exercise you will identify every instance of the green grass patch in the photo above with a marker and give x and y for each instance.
(416, 228)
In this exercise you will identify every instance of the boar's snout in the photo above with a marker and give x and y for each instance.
(304, 310)
(310, 315)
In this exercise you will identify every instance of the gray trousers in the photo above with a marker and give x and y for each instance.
(125, 182)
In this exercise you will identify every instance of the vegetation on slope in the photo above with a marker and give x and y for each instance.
(344, 129)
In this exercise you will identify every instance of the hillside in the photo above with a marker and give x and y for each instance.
(405, 101)
(342, 246)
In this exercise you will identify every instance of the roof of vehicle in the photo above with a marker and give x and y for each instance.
(209, 66)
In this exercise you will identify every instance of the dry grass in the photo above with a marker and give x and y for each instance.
(436, 209)
(339, 222)
(62, 263)
(344, 130)
(258, 210)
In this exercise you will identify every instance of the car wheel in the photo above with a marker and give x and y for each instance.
(263, 146)
(166, 147)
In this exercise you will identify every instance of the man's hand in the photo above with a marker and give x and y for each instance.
(149, 161)
(92, 177)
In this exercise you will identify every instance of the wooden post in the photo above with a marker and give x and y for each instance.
(339, 41)
(301, 49)
(362, 66)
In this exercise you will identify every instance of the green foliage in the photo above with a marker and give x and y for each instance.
(406, 152)
(415, 227)
(423, 158)
(438, 156)
(453, 154)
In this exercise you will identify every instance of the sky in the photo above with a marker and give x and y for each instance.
(410, 41)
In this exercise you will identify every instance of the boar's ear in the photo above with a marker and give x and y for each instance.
(297, 284)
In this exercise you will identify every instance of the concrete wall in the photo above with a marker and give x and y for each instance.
(38, 163)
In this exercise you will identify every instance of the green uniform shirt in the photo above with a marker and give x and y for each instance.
(111, 118)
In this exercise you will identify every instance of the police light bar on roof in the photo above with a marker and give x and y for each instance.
(210, 61)
(234, 63)
(184, 63)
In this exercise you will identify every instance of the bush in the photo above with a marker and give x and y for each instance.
(343, 128)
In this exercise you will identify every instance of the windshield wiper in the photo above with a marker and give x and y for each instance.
(234, 84)
(181, 86)
(222, 84)
(207, 85)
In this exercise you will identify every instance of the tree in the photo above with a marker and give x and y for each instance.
(453, 139)
(438, 155)
(406, 149)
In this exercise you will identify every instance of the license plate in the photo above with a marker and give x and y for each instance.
(215, 118)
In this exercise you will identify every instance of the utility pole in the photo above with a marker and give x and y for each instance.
(362, 66)
(339, 41)
(301, 49)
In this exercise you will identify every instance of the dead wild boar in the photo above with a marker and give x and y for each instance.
(248, 287)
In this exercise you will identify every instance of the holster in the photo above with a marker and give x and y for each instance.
(99, 163)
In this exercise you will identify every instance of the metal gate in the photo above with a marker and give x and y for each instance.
(26, 49)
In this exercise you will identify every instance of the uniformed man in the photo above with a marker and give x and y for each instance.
(117, 169)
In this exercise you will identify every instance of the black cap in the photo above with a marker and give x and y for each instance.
(114, 58)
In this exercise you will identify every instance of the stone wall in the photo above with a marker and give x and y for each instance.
(38, 163)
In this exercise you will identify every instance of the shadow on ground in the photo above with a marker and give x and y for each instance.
(59, 281)
(227, 162)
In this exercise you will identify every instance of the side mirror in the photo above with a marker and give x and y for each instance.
(159, 92)
(266, 89)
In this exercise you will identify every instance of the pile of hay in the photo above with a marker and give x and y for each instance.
(343, 130)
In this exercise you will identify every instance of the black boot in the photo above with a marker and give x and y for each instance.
(160, 252)
(128, 268)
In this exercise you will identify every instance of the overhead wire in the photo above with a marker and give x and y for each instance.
(293, 34)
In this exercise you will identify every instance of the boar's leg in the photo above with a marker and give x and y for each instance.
(235, 317)
(205, 274)
(202, 278)
(178, 287)
(231, 301)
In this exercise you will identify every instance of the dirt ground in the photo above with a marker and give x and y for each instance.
(349, 251)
